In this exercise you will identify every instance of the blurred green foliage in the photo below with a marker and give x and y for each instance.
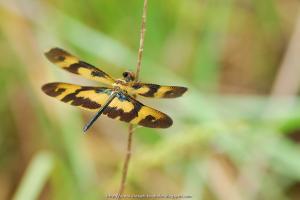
(231, 138)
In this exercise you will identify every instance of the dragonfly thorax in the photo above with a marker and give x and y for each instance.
(121, 85)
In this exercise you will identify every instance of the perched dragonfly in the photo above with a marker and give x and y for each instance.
(116, 101)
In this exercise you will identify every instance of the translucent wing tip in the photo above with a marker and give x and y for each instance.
(56, 55)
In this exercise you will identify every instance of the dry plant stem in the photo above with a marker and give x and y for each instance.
(130, 128)
(142, 38)
(128, 155)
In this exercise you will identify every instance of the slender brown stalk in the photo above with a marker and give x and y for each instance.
(142, 38)
(130, 128)
(126, 163)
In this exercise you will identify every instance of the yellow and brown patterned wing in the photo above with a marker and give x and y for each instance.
(123, 107)
(85, 97)
(72, 64)
(127, 109)
(157, 91)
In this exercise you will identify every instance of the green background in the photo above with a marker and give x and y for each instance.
(235, 133)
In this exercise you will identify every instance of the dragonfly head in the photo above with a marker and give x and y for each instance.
(128, 76)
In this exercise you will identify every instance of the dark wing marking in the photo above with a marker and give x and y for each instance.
(72, 64)
(123, 107)
(126, 108)
(156, 91)
(89, 98)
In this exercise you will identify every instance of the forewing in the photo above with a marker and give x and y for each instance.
(72, 64)
(89, 98)
(123, 107)
(157, 91)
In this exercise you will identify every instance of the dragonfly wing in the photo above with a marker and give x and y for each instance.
(123, 107)
(72, 64)
(128, 109)
(157, 91)
(88, 98)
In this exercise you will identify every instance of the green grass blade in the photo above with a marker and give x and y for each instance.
(35, 177)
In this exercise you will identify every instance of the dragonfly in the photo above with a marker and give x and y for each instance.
(117, 101)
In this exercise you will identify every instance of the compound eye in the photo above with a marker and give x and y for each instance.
(125, 74)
